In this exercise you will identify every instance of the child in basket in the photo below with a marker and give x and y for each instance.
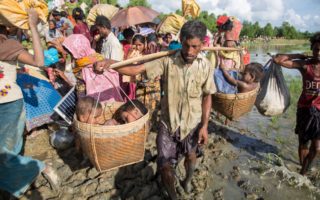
(250, 79)
(128, 112)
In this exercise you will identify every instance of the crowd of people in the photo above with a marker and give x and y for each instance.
(179, 85)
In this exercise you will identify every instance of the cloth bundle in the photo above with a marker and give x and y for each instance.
(15, 13)
(101, 9)
(172, 24)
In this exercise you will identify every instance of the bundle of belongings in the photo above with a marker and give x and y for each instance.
(15, 12)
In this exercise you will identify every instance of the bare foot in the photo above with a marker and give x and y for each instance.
(186, 186)
(51, 176)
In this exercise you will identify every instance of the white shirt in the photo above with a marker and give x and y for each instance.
(111, 48)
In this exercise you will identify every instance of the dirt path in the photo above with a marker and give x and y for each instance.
(234, 166)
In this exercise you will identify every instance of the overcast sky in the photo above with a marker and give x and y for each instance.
(304, 15)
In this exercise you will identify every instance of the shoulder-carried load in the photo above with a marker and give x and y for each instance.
(15, 12)
(274, 96)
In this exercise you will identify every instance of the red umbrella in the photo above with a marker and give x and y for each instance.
(133, 15)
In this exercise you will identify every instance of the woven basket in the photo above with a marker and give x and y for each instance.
(111, 147)
(234, 106)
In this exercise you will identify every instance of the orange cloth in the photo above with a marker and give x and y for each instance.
(87, 60)
(15, 13)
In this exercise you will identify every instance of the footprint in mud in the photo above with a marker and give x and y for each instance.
(218, 194)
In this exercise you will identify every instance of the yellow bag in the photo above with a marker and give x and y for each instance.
(172, 24)
(14, 12)
(101, 9)
(190, 7)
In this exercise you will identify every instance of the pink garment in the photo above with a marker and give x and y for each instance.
(229, 63)
(107, 84)
(78, 45)
(130, 89)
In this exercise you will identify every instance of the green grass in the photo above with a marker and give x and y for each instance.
(295, 88)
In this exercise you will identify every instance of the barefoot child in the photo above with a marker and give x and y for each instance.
(251, 77)
(308, 112)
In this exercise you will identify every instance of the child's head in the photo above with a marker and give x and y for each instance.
(78, 14)
(85, 110)
(139, 42)
(128, 112)
(253, 72)
(168, 38)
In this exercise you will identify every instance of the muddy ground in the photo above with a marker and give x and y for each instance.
(235, 165)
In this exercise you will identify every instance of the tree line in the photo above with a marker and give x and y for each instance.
(249, 30)
(254, 30)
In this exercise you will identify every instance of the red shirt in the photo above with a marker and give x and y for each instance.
(310, 95)
(82, 28)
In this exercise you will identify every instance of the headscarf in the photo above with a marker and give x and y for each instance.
(51, 56)
(79, 46)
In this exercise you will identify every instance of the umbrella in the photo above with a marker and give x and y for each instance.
(133, 15)
(101, 9)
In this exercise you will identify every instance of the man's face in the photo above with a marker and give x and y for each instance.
(103, 31)
(191, 48)
(316, 50)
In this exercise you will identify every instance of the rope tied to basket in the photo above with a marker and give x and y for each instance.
(92, 137)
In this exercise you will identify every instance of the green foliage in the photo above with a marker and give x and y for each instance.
(139, 3)
(112, 2)
(253, 30)
(89, 2)
(209, 20)
(268, 30)
(295, 88)
(179, 12)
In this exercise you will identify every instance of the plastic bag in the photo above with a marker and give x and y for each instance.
(274, 96)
